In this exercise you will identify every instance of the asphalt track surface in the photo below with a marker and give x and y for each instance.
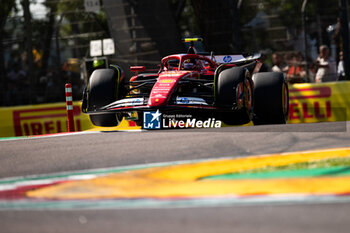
(110, 149)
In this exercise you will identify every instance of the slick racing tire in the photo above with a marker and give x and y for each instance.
(234, 90)
(271, 98)
(102, 90)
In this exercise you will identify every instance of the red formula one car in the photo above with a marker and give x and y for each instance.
(229, 88)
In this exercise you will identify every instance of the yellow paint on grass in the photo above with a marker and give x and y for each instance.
(184, 180)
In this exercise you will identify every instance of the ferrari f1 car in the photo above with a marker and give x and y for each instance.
(230, 88)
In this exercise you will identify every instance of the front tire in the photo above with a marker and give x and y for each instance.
(102, 90)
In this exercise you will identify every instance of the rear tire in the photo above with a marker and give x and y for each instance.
(271, 98)
(234, 90)
(102, 90)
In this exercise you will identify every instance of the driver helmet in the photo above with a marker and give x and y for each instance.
(189, 64)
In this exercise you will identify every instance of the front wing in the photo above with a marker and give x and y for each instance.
(141, 104)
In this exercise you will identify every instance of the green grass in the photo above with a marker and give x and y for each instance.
(315, 168)
(306, 165)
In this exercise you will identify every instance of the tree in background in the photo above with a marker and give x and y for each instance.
(29, 48)
(31, 38)
(78, 27)
(218, 22)
(5, 10)
(144, 31)
(320, 14)
(48, 35)
(215, 20)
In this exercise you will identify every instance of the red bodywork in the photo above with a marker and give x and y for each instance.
(169, 76)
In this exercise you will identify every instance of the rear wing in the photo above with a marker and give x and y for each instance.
(234, 59)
